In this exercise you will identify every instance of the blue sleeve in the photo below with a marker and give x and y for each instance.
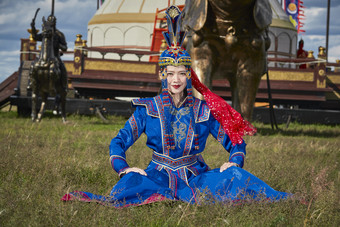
(237, 152)
(126, 136)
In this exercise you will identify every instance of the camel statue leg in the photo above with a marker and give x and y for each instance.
(250, 69)
(244, 88)
(203, 64)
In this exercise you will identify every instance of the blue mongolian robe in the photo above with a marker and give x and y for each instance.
(177, 170)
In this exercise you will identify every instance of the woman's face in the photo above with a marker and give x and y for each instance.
(177, 79)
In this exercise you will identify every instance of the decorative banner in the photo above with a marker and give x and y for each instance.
(295, 13)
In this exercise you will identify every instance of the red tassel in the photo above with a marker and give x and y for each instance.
(233, 123)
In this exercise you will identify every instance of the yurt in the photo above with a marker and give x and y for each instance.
(125, 24)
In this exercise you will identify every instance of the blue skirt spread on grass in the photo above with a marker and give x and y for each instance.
(232, 185)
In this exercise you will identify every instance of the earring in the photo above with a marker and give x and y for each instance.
(188, 74)
(164, 74)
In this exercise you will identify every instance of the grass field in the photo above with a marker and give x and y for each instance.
(39, 163)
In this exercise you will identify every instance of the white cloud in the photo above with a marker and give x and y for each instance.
(11, 58)
(334, 53)
(316, 21)
(9, 54)
(16, 16)
(315, 27)
(5, 18)
(314, 12)
(334, 50)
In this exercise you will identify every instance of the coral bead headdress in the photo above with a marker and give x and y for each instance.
(233, 123)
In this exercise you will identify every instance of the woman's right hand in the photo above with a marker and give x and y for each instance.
(227, 165)
(136, 170)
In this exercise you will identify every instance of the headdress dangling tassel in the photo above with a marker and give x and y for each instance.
(233, 123)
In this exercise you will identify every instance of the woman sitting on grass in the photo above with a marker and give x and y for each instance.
(177, 126)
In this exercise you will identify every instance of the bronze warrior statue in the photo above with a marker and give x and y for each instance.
(59, 43)
(48, 74)
(229, 39)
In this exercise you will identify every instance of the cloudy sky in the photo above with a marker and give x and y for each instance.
(73, 16)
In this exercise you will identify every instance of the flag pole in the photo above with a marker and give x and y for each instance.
(327, 31)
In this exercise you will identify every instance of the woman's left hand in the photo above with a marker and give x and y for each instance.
(226, 165)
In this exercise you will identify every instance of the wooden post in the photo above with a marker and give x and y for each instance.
(320, 69)
(78, 58)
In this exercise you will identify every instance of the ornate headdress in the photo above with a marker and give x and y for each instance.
(175, 54)
(233, 123)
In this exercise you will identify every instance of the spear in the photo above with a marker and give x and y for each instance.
(52, 13)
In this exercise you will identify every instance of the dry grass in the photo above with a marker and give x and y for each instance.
(41, 162)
